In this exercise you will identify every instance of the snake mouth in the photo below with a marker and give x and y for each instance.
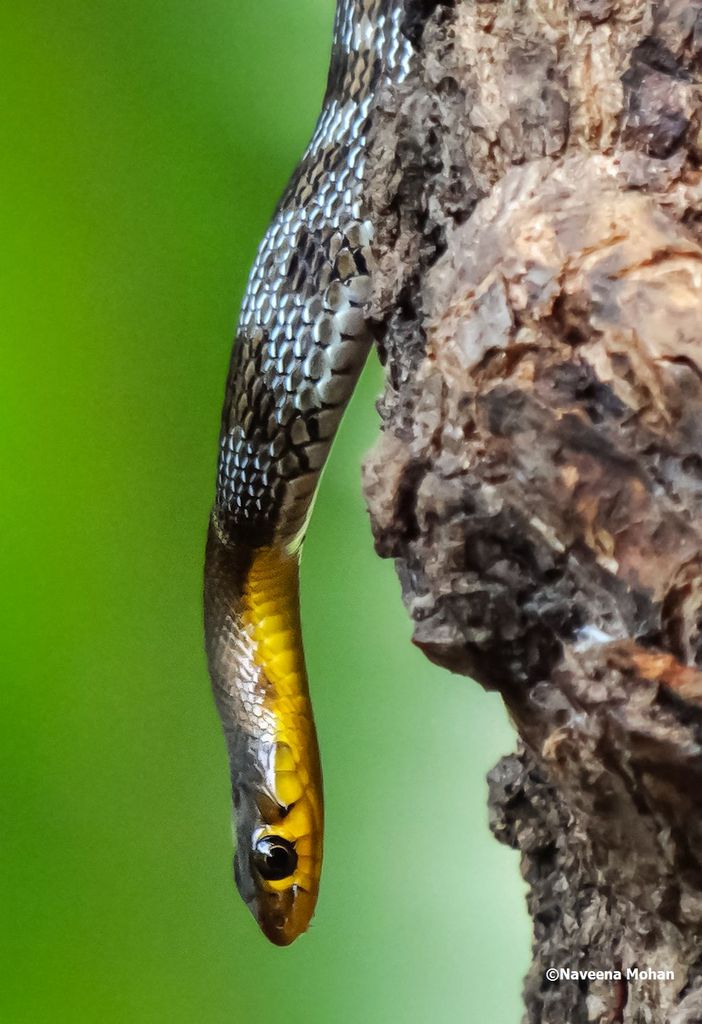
(277, 933)
(285, 919)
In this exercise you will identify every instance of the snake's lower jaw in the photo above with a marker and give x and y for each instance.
(282, 917)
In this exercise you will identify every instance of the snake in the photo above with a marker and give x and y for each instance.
(302, 339)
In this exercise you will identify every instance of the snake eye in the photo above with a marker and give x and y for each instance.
(274, 858)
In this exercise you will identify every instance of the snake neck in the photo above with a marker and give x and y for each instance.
(257, 666)
(253, 630)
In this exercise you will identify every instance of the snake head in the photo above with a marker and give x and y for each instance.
(256, 662)
(277, 861)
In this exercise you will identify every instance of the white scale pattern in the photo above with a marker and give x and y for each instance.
(302, 340)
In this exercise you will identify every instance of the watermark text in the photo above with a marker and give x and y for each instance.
(630, 974)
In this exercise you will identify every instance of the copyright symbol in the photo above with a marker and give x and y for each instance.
(552, 974)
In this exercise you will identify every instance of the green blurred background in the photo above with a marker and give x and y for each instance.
(145, 144)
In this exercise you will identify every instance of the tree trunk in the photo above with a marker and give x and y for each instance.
(538, 479)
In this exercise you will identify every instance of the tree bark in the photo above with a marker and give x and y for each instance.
(538, 479)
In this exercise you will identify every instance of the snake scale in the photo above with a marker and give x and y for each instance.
(301, 343)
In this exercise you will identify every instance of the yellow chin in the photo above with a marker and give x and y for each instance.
(283, 917)
(271, 616)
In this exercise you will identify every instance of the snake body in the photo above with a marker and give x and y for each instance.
(300, 346)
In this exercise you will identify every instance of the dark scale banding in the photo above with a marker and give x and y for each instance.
(302, 338)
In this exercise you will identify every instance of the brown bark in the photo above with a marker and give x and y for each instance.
(538, 479)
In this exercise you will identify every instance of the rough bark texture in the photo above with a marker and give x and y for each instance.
(539, 475)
